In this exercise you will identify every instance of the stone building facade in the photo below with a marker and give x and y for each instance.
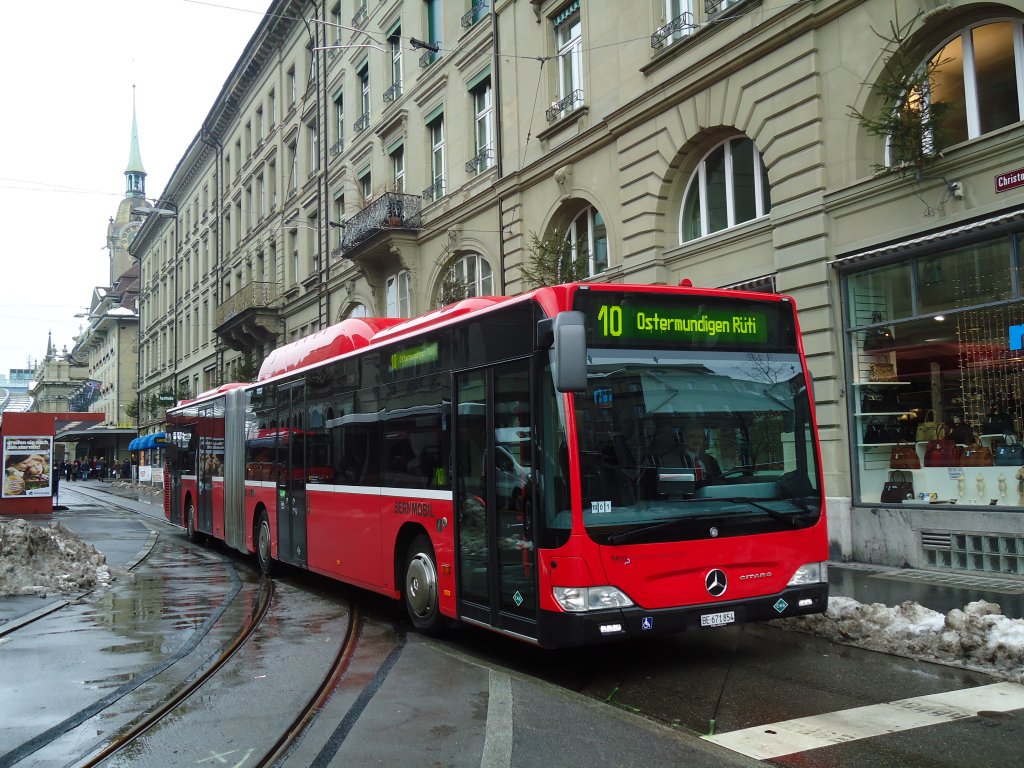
(363, 157)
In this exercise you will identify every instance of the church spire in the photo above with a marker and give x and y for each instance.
(134, 175)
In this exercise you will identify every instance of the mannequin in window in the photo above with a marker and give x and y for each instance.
(694, 454)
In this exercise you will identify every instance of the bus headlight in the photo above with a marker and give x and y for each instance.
(809, 573)
(577, 599)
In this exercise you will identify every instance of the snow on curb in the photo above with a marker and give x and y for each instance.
(978, 637)
(41, 560)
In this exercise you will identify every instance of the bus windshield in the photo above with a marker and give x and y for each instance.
(674, 444)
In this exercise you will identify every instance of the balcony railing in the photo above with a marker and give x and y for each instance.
(360, 16)
(392, 93)
(391, 210)
(337, 147)
(562, 106)
(434, 191)
(429, 57)
(481, 161)
(362, 123)
(477, 12)
(673, 31)
(251, 296)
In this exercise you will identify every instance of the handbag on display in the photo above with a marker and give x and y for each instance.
(883, 400)
(1009, 453)
(876, 339)
(929, 428)
(962, 434)
(876, 432)
(898, 487)
(942, 453)
(997, 423)
(904, 456)
(882, 372)
(976, 456)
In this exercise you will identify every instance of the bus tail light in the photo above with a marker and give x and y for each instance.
(809, 573)
(577, 599)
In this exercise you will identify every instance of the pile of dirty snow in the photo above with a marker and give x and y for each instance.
(978, 637)
(38, 560)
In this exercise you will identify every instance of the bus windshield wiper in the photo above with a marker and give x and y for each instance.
(772, 513)
(621, 538)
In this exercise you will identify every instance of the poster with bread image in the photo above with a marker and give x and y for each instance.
(27, 466)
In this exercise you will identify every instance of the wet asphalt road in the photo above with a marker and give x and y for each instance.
(470, 699)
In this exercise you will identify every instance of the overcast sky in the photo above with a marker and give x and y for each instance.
(68, 71)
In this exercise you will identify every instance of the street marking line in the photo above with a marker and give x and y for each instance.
(764, 742)
(497, 752)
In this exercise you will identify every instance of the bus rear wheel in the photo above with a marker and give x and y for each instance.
(419, 592)
(263, 557)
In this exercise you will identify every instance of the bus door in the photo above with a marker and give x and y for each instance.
(291, 474)
(211, 456)
(497, 581)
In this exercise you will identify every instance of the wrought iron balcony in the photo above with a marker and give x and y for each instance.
(481, 161)
(251, 296)
(673, 31)
(337, 147)
(248, 319)
(434, 191)
(562, 106)
(362, 123)
(429, 57)
(477, 12)
(392, 93)
(360, 16)
(390, 211)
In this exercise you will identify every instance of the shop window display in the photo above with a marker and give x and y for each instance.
(937, 375)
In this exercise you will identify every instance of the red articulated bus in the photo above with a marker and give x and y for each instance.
(577, 464)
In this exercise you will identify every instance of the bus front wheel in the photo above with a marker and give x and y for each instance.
(263, 558)
(420, 587)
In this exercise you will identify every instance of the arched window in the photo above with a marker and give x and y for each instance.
(728, 187)
(588, 234)
(399, 303)
(474, 272)
(357, 310)
(976, 76)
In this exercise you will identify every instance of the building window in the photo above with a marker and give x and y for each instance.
(364, 97)
(728, 187)
(339, 124)
(937, 377)
(272, 107)
(977, 79)
(398, 170)
(587, 233)
(357, 310)
(398, 303)
(569, 46)
(436, 189)
(395, 44)
(484, 127)
(293, 87)
(314, 148)
(293, 168)
(474, 272)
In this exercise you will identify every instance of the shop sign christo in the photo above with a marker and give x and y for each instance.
(1010, 180)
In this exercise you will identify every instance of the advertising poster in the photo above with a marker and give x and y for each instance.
(27, 466)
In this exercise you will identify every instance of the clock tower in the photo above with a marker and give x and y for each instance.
(126, 223)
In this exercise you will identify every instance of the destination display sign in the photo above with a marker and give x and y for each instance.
(689, 322)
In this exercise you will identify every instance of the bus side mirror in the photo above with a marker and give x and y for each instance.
(569, 342)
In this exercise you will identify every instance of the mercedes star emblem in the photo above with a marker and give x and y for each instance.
(716, 582)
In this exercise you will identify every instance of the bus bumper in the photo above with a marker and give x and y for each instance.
(572, 629)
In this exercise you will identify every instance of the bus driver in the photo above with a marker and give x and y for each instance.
(694, 454)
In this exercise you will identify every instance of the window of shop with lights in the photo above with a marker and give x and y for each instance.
(936, 373)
